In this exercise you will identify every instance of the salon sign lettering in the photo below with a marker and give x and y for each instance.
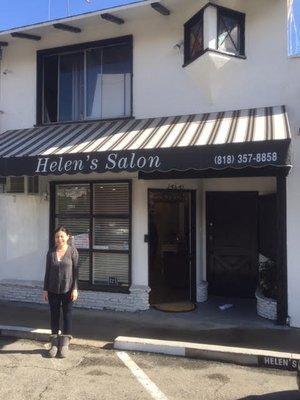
(88, 163)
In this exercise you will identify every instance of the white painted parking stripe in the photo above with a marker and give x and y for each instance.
(140, 375)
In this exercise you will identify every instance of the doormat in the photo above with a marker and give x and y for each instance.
(181, 306)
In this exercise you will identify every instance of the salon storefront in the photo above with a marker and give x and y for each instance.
(161, 209)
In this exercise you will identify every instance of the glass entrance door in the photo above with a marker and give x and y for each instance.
(170, 245)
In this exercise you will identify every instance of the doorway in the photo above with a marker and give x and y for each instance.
(232, 243)
(172, 264)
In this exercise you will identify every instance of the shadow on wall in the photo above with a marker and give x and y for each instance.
(286, 395)
(29, 266)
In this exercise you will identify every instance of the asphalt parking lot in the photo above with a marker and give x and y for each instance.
(92, 374)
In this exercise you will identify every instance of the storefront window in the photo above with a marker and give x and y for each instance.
(98, 216)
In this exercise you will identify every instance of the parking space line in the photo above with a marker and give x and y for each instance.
(140, 375)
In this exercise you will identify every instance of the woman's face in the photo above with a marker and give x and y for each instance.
(61, 238)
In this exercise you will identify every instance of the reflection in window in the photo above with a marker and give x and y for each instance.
(72, 199)
(193, 42)
(231, 31)
(71, 91)
(111, 234)
(91, 83)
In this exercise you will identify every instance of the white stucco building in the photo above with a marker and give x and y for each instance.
(162, 134)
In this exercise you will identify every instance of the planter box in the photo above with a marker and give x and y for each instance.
(202, 292)
(266, 307)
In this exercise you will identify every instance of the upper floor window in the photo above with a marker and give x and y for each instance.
(216, 29)
(193, 38)
(231, 31)
(85, 82)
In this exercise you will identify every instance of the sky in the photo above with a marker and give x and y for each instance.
(294, 27)
(18, 13)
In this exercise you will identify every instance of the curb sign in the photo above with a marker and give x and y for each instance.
(278, 363)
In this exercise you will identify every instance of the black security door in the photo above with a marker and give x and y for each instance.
(232, 243)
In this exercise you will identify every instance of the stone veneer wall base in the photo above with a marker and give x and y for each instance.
(136, 300)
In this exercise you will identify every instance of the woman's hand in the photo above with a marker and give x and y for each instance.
(45, 295)
(74, 295)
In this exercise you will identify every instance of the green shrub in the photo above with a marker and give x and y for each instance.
(268, 279)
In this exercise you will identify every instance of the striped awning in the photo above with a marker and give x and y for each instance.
(253, 137)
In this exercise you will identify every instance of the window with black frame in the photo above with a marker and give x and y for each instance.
(193, 38)
(231, 32)
(86, 83)
(98, 216)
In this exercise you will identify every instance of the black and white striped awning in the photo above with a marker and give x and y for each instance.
(240, 138)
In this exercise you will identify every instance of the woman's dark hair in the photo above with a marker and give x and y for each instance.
(62, 229)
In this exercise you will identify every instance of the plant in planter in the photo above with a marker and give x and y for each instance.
(267, 291)
(268, 279)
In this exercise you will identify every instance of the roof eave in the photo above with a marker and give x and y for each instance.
(133, 4)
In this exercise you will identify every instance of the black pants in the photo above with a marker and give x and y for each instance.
(55, 302)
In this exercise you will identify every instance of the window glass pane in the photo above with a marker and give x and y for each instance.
(16, 184)
(33, 184)
(72, 199)
(116, 92)
(71, 87)
(84, 266)
(111, 198)
(111, 234)
(196, 39)
(110, 230)
(2, 184)
(110, 269)
(229, 32)
(94, 79)
(50, 88)
(79, 228)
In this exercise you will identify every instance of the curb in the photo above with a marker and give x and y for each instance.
(236, 355)
(42, 335)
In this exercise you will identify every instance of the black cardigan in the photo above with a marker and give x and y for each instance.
(61, 276)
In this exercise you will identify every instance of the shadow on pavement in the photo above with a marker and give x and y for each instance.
(43, 353)
(286, 395)
(5, 341)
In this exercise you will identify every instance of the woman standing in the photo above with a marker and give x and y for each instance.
(61, 288)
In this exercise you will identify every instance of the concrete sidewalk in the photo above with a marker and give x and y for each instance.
(193, 327)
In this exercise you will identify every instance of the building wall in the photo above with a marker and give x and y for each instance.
(25, 227)
(24, 224)
(162, 87)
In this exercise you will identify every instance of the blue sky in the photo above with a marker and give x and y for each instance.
(294, 28)
(17, 13)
